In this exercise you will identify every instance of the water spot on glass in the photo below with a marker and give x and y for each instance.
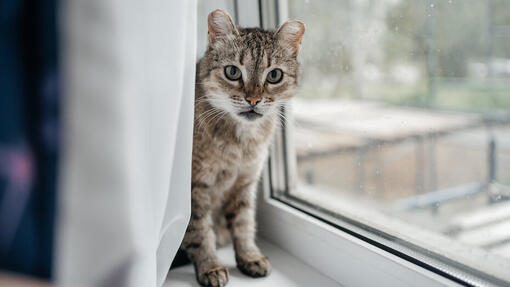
(431, 5)
(396, 28)
(377, 171)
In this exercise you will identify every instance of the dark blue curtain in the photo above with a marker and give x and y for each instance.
(29, 117)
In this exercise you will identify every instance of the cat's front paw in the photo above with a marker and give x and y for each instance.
(215, 277)
(259, 267)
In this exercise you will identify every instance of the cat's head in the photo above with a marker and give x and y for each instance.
(248, 72)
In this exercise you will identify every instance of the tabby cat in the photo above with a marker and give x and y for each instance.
(243, 79)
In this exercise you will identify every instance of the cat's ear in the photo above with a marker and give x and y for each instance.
(220, 25)
(290, 35)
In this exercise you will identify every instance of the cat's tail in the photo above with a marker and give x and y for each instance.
(180, 259)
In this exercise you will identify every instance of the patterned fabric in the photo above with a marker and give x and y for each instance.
(28, 135)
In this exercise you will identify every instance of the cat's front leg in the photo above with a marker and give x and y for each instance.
(200, 243)
(240, 215)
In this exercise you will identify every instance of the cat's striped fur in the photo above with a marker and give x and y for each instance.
(229, 148)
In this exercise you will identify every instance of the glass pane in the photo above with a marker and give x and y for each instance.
(402, 122)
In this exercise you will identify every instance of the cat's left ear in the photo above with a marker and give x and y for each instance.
(220, 25)
(290, 35)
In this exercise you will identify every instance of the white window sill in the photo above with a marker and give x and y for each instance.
(287, 271)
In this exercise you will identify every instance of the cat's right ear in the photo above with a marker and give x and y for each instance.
(220, 25)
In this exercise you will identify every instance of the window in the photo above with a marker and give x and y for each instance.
(400, 133)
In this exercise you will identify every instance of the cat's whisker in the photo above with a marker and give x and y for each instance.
(206, 114)
(211, 114)
(284, 114)
(282, 122)
(203, 118)
(285, 120)
(219, 117)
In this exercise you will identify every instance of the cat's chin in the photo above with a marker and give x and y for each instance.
(250, 115)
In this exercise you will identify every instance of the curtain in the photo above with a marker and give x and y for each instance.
(124, 191)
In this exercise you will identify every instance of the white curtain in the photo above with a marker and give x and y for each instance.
(124, 196)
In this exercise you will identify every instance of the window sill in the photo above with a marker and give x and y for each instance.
(335, 253)
(287, 271)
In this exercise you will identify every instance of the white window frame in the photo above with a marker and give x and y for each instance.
(341, 256)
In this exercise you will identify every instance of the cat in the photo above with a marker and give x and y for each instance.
(243, 79)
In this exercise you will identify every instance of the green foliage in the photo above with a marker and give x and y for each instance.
(441, 39)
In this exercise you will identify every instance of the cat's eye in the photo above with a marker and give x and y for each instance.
(232, 73)
(275, 76)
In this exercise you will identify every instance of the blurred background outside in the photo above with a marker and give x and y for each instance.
(404, 108)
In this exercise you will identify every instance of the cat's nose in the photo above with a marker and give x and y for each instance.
(253, 101)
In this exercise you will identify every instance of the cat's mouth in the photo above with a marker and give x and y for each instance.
(250, 115)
